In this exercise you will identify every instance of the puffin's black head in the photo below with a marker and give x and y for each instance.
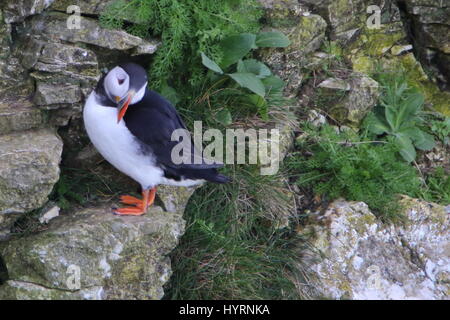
(125, 85)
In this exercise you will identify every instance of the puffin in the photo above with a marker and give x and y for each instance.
(131, 126)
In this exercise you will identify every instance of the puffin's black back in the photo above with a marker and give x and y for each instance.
(152, 121)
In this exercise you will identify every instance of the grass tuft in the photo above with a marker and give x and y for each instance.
(232, 248)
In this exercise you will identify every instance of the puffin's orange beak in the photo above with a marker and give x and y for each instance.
(123, 108)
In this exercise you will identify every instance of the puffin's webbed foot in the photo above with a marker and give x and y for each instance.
(129, 211)
(130, 200)
(140, 206)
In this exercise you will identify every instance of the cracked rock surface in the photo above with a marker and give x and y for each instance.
(366, 259)
(93, 254)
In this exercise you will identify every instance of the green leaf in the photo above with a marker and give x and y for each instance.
(407, 150)
(273, 39)
(224, 117)
(376, 125)
(236, 47)
(257, 100)
(422, 140)
(391, 115)
(261, 104)
(426, 141)
(409, 108)
(211, 65)
(249, 81)
(273, 84)
(254, 66)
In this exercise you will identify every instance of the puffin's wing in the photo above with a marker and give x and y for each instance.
(152, 121)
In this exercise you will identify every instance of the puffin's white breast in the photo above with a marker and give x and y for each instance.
(117, 144)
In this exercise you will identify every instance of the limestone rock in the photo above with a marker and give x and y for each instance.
(365, 259)
(348, 18)
(5, 37)
(115, 257)
(282, 13)
(430, 22)
(19, 115)
(29, 168)
(358, 95)
(48, 94)
(306, 36)
(386, 48)
(53, 27)
(86, 7)
(18, 10)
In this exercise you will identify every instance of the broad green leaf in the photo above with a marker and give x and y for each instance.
(224, 117)
(420, 139)
(391, 115)
(261, 104)
(424, 141)
(257, 100)
(409, 108)
(375, 125)
(407, 150)
(273, 83)
(236, 47)
(249, 81)
(253, 66)
(211, 65)
(401, 89)
(272, 39)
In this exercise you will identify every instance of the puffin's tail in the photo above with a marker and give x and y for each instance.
(212, 175)
(220, 178)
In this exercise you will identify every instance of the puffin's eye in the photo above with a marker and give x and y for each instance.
(120, 81)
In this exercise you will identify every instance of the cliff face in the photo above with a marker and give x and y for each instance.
(49, 64)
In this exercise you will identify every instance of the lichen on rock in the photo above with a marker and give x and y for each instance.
(366, 259)
(359, 94)
(115, 257)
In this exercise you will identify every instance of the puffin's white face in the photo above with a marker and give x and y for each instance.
(117, 84)
(125, 85)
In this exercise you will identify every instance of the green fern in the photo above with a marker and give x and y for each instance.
(186, 28)
(343, 165)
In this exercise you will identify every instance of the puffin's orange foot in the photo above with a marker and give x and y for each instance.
(140, 206)
(131, 200)
(131, 211)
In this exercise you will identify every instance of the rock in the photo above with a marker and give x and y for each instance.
(115, 257)
(28, 169)
(309, 33)
(316, 118)
(6, 222)
(399, 50)
(53, 28)
(282, 13)
(95, 7)
(64, 62)
(5, 37)
(306, 36)
(366, 259)
(18, 290)
(386, 48)
(19, 115)
(352, 99)
(51, 211)
(17, 10)
(49, 94)
(68, 60)
(429, 20)
(336, 84)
